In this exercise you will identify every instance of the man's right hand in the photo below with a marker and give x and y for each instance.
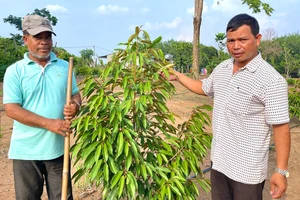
(59, 126)
(172, 75)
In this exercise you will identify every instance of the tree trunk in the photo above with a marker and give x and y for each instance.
(196, 37)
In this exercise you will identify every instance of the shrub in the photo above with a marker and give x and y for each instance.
(294, 100)
(96, 71)
(290, 81)
(83, 71)
(2, 72)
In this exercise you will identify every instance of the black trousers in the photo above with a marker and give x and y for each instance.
(30, 176)
(224, 188)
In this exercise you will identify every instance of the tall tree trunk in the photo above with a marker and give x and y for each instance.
(196, 37)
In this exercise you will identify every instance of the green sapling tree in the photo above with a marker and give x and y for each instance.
(127, 138)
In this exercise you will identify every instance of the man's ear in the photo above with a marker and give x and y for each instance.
(25, 39)
(258, 39)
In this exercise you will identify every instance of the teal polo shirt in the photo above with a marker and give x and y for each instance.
(41, 90)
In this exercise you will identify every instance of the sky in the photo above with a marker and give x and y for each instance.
(102, 25)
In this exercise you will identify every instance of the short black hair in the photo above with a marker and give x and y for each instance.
(25, 33)
(243, 19)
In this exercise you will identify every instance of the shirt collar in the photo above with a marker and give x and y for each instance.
(53, 58)
(251, 66)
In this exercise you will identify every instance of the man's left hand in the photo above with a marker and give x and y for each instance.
(70, 110)
(278, 185)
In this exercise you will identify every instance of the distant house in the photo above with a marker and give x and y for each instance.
(108, 57)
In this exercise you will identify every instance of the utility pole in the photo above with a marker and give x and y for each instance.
(95, 57)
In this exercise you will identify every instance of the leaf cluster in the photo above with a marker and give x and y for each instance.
(258, 5)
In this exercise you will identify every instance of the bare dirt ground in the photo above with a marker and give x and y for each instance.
(182, 104)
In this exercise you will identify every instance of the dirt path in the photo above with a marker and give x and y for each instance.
(181, 104)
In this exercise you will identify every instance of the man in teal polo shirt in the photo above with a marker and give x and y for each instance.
(34, 95)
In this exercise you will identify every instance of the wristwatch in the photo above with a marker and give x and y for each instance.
(284, 173)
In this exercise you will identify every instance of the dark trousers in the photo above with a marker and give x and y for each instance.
(224, 188)
(30, 176)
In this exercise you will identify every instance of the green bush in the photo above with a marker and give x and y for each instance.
(96, 71)
(294, 100)
(2, 72)
(290, 81)
(83, 71)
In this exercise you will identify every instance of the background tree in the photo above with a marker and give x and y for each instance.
(12, 49)
(292, 41)
(220, 37)
(87, 57)
(17, 22)
(45, 13)
(294, 101)
(181, 52)
(269, 47)
(196, 37)
(290, 62)
(62, 53)
(255, 5)
(269, 34)
(208, 57)
(289, 56)
(9, 54)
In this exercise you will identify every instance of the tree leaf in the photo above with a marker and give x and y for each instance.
(120, 144)
(105, 152)
(89, 149)
(121, 186)
(175, 189)
(115, 179)
(95, 170)
(106, 172)
(128, 161)
(144, 171)
(141, 59)
(131, 38)
(112, 165)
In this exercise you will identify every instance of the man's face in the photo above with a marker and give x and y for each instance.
(242, 45)
(39, 46)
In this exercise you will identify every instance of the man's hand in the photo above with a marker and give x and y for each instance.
(59, 126)
(278, 185)
(172, 75)
(70, 110)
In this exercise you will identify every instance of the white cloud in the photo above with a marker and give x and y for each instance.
(111, 9)
(204, 10)
(175, 23)
(269, 22)
(186, 34)
(229, 6)
(145, 10)
(190, 10)
(56, 8)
